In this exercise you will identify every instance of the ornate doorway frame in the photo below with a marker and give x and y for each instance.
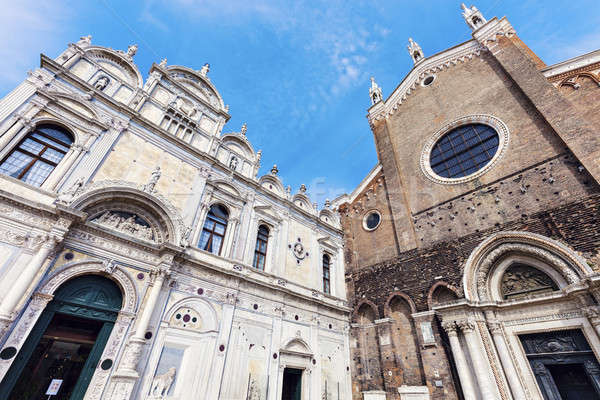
(45, 294)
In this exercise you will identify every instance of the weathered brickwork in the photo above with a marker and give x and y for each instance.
(544, 181)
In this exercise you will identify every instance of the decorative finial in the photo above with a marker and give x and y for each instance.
(288, 190)
(375, 92)
(473, 17)
(274, 170)
(258, 156)
(415, 51)
(303, 188)
(226, 108)
(85, 40)
(205, 69)
(163, 62)
(244, 129)
(131, 50)
(327, 203)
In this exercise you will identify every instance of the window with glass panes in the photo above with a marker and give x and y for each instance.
(214, 228)
(464, 150)
(260, 251)
(34, 158)
(326, 274)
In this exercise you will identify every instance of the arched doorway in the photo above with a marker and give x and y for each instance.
(66, 342)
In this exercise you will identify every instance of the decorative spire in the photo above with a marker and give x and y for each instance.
(131, 50)
(303, 188)
(205, 69)
(415, 51)
(327, 203)
(244, 129)
(473, 17)
(274, 170)
(163, 62)
(375, 92)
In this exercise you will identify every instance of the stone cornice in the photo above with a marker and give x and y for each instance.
(135, 117)
(438, 62)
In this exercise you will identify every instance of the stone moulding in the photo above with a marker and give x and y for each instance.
(428, 66)
(111, 188)
(477, 267)
(503, 136)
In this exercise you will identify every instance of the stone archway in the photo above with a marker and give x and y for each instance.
(45, 294)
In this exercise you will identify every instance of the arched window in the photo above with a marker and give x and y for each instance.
(34, 158)
(326, 274)
(260, 251)
(214, 228)
(522, 281)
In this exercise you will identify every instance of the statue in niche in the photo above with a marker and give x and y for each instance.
(233, 163)
(149, 187)
(101, 83)
(162, 383)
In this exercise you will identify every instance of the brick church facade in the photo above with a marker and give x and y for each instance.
(471, 249)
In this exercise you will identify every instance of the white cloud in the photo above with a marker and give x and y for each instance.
(331, 30)
(26, 27)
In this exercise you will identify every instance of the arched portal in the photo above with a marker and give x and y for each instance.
(66, 342)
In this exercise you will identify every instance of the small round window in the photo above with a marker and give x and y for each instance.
(428, 80)
(464, 150)
(372, 220)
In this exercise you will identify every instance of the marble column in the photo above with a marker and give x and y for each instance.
(44, 244)
(125, 377)
(155, 288)
(462, 367)
(507, 364)
(480, 364)
(62, 167)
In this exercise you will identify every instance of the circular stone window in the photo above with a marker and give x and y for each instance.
(464, 149)
(372, 220)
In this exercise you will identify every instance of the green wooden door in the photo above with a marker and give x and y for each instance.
(292, 384)
(88, 300)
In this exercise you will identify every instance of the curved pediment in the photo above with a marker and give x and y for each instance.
(303, 201)
(75, 104)
(116, 64)
(238, 144)
(196, 84)
(273, 183)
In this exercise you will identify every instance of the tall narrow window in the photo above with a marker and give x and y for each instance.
(34, 158)
(260, 251)
(214, 228)
(326, 274)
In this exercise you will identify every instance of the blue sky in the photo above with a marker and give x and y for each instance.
(297, 72)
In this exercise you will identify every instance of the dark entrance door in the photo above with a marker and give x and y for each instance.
(292, 384)
(564, 365)
(66, 342)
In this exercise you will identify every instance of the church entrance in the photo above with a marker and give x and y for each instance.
(66, 342)
(564, 365)
(292, 384)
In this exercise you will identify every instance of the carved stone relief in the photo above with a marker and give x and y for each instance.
(127, 223)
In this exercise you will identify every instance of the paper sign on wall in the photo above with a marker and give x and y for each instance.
(54, 387)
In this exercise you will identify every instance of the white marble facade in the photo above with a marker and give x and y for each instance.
(128, 201)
